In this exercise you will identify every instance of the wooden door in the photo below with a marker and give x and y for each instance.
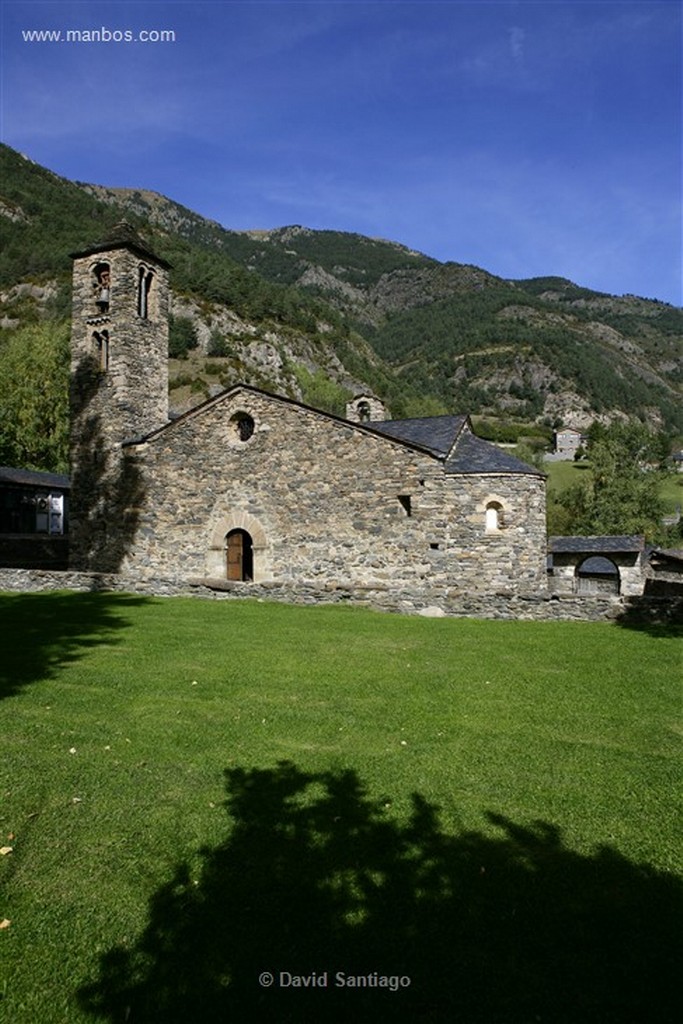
(235, 555)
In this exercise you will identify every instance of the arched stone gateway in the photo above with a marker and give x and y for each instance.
(610, 565)
(597, 575)
(238, 550)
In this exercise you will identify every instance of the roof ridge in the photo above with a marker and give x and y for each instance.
(241, 386)
(465, 428)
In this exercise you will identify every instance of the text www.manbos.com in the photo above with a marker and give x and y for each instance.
(98, 35)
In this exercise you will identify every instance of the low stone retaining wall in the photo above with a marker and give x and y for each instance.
(436, 603)
(36, 551)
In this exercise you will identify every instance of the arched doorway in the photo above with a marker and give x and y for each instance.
(257, 563)
(239, 555)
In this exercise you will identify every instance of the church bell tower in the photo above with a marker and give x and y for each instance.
(118, 390)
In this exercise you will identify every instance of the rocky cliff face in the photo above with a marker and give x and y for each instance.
(274, 358)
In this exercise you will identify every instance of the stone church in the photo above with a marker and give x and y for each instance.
(253, 487)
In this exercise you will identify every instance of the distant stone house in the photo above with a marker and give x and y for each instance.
(251, 486)
(568, 442)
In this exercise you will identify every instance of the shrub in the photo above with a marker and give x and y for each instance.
(219, 346)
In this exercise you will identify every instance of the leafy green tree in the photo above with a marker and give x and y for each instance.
(34, 398)
(322, 393)
(417, 408)
(620, 494)
(531, 455)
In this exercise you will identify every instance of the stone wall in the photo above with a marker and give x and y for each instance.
(35, 551)
(365, 409)
(325, 501)
(438, 604)
(132, 390)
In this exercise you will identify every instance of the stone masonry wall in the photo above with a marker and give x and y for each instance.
(325, 503)
(132, 393)
(639, 611)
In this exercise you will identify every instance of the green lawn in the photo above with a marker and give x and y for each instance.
(562, 475)
(672, 491)
(196, 792)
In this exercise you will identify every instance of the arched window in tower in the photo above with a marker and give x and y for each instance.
(145, 281)
(102, 286)
(101, 343)
(363, 412)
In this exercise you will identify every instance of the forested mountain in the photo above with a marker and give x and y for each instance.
(322, 314)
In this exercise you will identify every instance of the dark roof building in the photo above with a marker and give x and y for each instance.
(33, 518)
(33, 478)
(596, 545)
(590, 565)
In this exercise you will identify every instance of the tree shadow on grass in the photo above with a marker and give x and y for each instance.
(315, 878)
(44, 631)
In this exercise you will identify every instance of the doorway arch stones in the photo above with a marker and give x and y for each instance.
(225, 524)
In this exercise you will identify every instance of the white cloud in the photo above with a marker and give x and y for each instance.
(517, 36)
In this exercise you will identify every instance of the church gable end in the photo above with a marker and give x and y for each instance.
(320, 499)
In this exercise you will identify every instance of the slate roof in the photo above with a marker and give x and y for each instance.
(32, 478)
(447, 438)
(596, 545)
(596, 565)
(667, 554)
(451, 438)
(436, 433)
(122, 236)
(474, 455)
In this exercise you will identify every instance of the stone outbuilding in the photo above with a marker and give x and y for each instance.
(252, 486)
(664, 577)
(33, 518)
(597, 565)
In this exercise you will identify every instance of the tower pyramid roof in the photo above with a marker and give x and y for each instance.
(121, 236)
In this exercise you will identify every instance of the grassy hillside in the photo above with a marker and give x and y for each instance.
(364, 313)
(52, 217)
(186, 807)
(43, 218)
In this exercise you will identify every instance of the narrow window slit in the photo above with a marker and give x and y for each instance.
(406, 503)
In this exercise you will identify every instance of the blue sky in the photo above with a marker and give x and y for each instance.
(526, 138)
